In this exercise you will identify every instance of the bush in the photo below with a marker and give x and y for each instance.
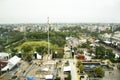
(58, 78)
(99, 72)
(69, 77)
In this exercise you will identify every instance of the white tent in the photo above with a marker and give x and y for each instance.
(39, 56)
(107, 42)
(97, 40)
(14, 60)
(67, 68)
(2, 55)
(49, 77)
(11, 63)
(117, 56)
(45, 69)
(83, 41)
(92, 45)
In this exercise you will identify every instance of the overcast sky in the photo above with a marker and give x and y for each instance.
(75, 11)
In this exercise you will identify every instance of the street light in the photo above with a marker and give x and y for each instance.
(73, 53)
(71, 50)
(55, 54)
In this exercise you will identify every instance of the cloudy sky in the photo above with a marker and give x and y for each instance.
(75, 11)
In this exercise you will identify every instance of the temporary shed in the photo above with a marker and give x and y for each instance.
(39, 56)
(45, 69)
(97, 40)
(49, 77)
(67, 68)
(107, 42)
(11, 63)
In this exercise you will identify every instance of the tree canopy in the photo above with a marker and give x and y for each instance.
(102, 52)
(41, 49)
(99, 72)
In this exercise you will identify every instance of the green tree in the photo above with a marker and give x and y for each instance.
(41, 49)
(68, 77)
(27, 52)
(67, 63)
(60, 53)
(81, 68)
(13, 51)
(79, 63)
(74, 48)
(1, 48)
(90, 51)
(28, 56)
(110, 53)
(27, 48)
(94, 34)
(100, 52)
(86, 45)
(81, 52)
(99, 72)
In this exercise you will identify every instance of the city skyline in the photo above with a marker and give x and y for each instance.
(59, 11)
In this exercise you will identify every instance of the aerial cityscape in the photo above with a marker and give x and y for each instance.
(59, 44)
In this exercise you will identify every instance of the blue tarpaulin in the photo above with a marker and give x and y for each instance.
(30, 78)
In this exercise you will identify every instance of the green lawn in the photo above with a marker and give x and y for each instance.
(35, 44)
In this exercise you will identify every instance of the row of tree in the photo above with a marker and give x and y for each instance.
(28, 49)
(55, 37)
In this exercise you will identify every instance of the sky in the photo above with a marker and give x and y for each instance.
(59, 11)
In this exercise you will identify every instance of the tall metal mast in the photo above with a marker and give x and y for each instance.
(48, 36)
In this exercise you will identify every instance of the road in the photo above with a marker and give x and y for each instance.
(112, 75)
(73, 70)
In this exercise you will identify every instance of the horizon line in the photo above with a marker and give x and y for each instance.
(65, 23)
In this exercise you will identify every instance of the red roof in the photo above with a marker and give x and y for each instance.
(80, 56)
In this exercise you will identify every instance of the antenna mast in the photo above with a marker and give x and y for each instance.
(48, 36)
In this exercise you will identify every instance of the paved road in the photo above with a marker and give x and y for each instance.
(73, 70)
(112, 75)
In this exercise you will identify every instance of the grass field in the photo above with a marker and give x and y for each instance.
(35, 44)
